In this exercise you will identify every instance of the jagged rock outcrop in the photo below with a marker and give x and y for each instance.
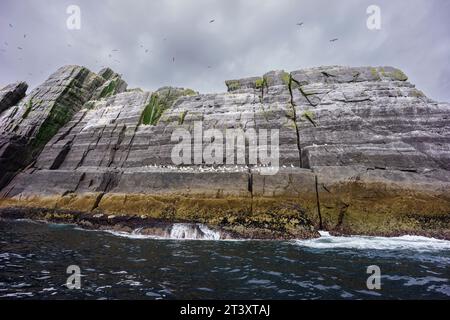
(361, 151)
(12, 94)
(28, 126)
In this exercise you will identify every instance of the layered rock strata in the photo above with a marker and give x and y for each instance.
(12, 94)
(361, 151)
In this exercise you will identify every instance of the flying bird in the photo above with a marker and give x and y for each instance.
(10, 25)
(300, 24)
(25, 35)
(333, 40)
(173, 59)
(115, 50)
(211, 21)
(20, 48)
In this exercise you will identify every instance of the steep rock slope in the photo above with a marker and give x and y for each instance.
(12, 94)
(28, 126)
(361, 151)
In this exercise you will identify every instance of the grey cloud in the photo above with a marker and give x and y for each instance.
(247, 38)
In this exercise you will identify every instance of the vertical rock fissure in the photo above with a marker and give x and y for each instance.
(117, 146)
(302, 92)
(297, 131)
(318, 202)
(59, 159)
(97, 201)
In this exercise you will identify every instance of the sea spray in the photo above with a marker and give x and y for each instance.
(407, 242)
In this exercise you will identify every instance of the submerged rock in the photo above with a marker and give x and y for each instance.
(361, 151)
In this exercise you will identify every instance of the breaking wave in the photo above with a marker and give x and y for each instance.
(178, 231)
(417, 243)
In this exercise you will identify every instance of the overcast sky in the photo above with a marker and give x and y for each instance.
(247, 38)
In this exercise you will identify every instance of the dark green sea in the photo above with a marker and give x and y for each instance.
(34, 258)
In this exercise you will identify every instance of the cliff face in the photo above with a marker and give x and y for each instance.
(12, 94)
(361, 151)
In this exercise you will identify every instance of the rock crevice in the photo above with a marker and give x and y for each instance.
(361, 151)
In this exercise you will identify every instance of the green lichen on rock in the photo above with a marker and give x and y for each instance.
(309, 115)
(58, 117)
(233, 85)
(182, 117)
(109, 89)
(189, 92)
(28, 108)
(286, 78)
(89, 105)
(395, 74)
(417, 93)
(399, 75)
(375, 73)
(259, 83)
(152, 111)
(160, 101)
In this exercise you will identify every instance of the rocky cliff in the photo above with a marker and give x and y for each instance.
(361, 151)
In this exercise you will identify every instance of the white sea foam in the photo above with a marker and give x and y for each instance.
(179, 231)
(418, 243)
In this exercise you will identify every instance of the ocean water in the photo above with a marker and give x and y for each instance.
(34, 258)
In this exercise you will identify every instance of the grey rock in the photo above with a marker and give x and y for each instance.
(28, 126)
(11, 94)
(349, 138)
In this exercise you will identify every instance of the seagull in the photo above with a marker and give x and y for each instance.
(10, 25)
(211, 21)
(20, 48)
(173, 59)
(115, 50)
(25, 35)
(333, 40)
(300, 24)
